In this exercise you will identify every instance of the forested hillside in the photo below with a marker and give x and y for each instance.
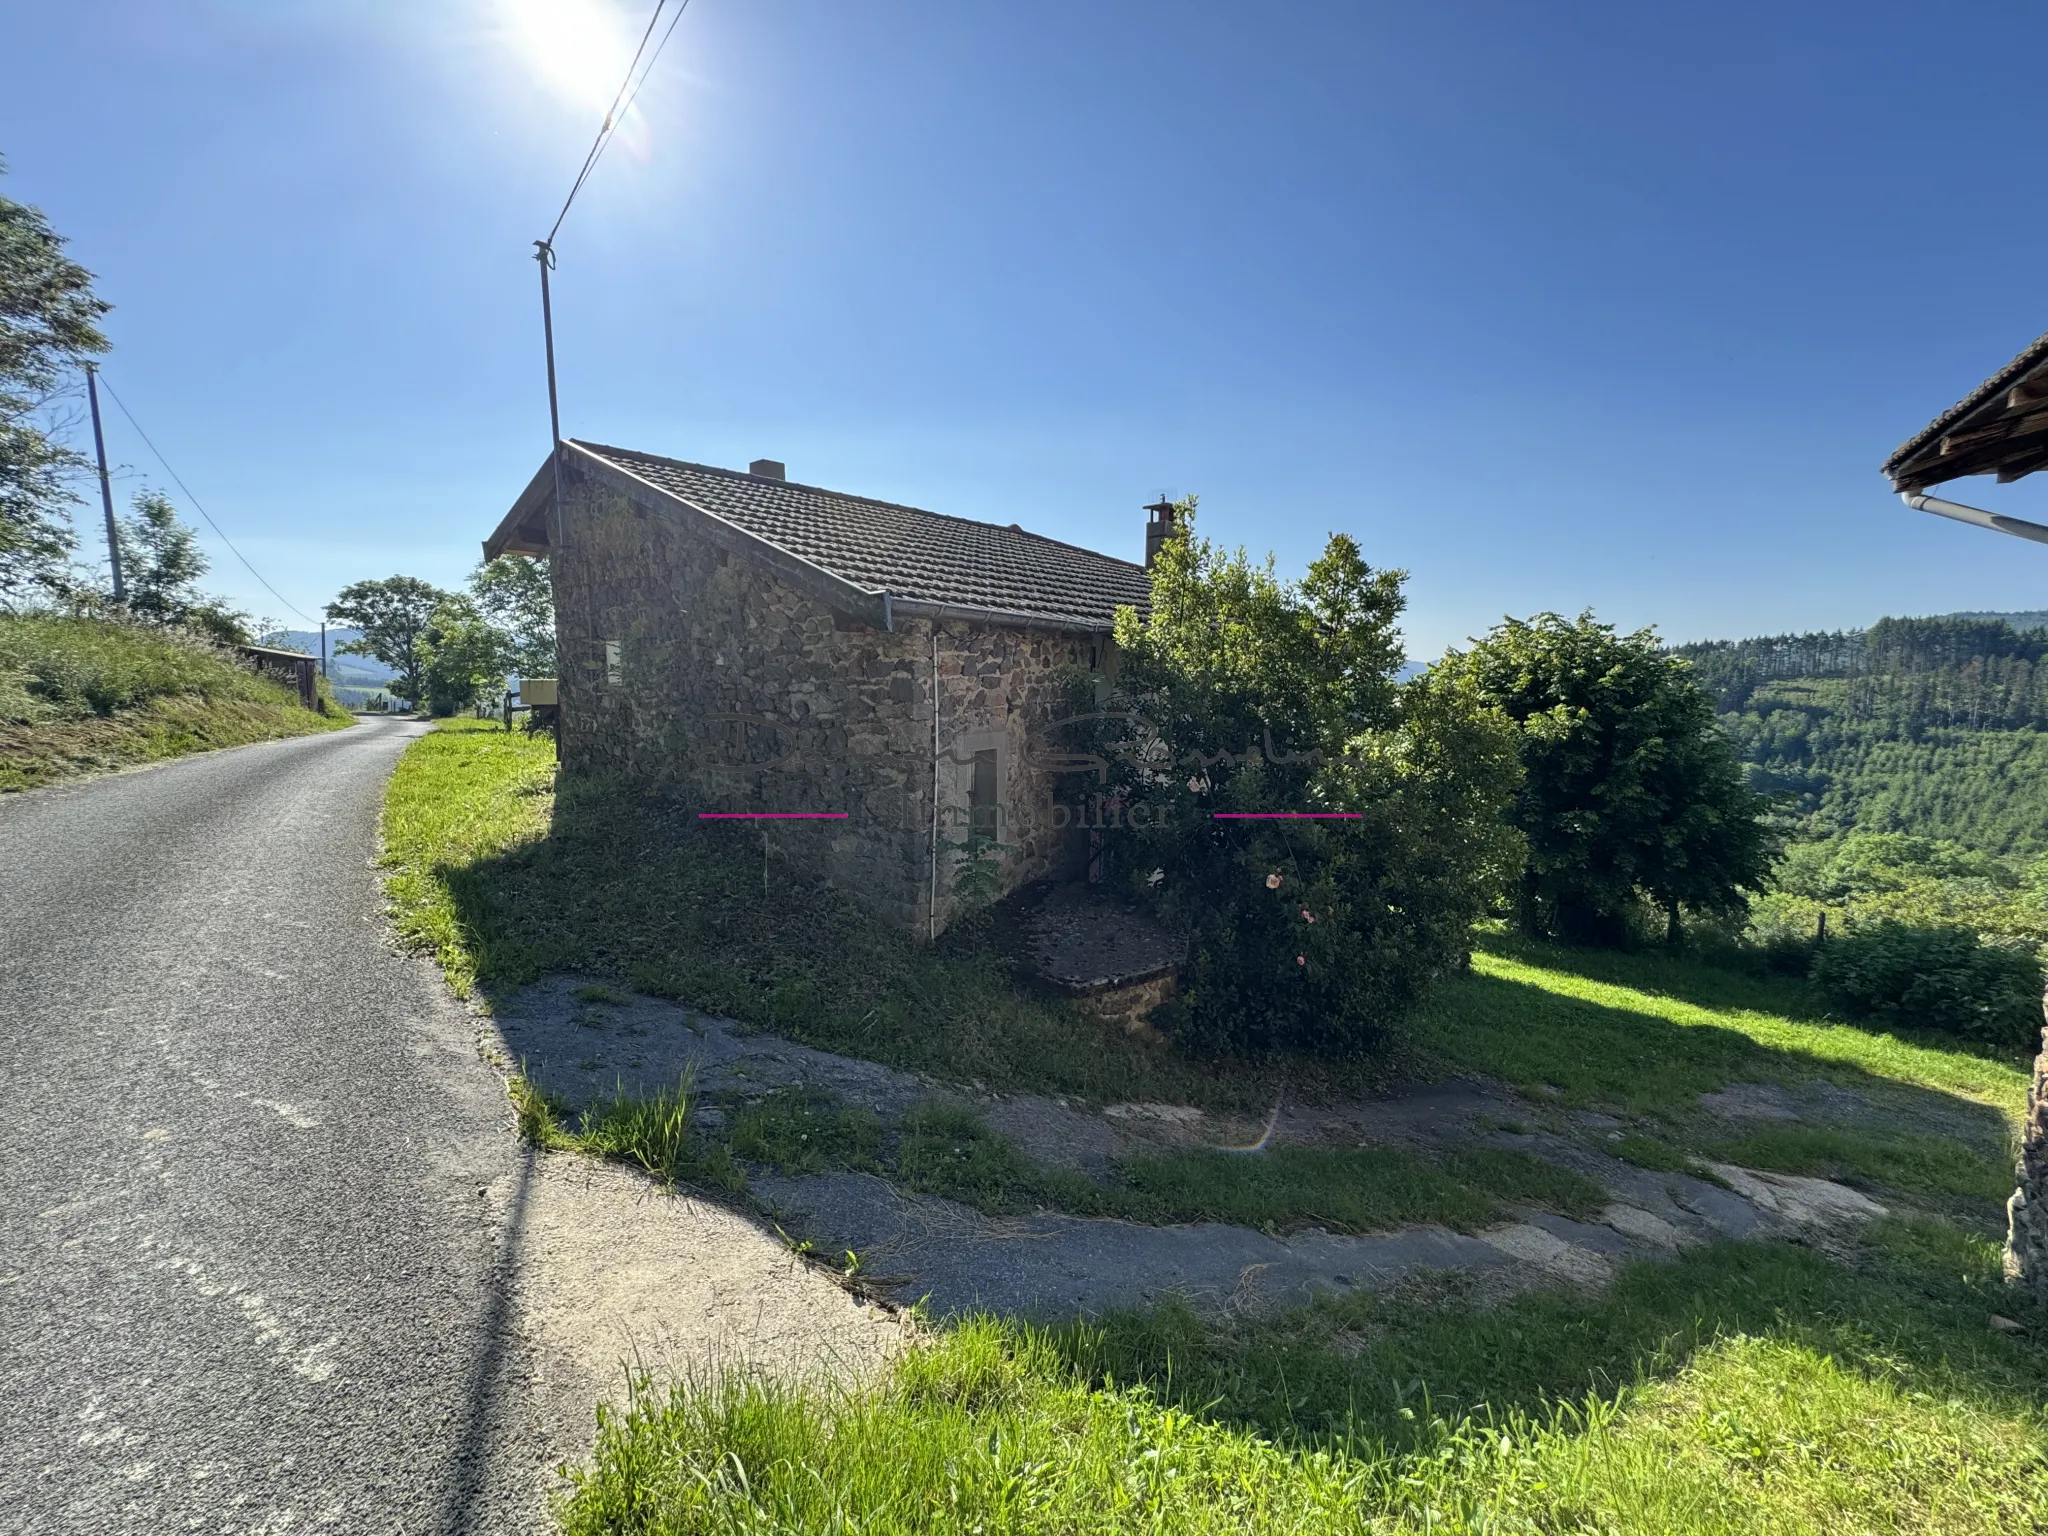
(1934, 727)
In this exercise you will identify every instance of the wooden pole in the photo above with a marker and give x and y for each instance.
(99, 443)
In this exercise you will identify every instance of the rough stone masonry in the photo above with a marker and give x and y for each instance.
(2026, 1244)
(693, 670)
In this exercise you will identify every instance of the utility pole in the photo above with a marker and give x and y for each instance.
(323, 647)
(99, 443)
(544, 253)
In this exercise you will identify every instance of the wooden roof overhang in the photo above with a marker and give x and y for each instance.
(524, 529)
(2000, 428)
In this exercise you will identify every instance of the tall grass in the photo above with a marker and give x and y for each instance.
(81, 695)
(653, 1133)
(59, 668)
(1751, 1388)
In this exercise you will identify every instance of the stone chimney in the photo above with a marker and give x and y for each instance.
(768, 469)
(1159, 527)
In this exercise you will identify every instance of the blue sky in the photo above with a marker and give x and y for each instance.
(1609, 305)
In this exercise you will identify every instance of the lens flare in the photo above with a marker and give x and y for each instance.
(575, 50)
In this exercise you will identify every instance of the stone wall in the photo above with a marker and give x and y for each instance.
(2026, 1248)
(999, 688)
(704, 674)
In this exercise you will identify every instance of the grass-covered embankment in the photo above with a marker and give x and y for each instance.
(81, 696)
(1742, 1388)
(1745, 1388)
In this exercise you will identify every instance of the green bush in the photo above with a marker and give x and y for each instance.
(1631, 794)
(1943, 979)
(1243, 694)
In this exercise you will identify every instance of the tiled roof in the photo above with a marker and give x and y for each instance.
(1910, 456)
(920, 556)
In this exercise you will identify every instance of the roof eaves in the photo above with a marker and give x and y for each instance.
(2031, 358)
(511, 534)
(1007, 618)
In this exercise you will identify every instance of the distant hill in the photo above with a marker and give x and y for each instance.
(1936, 726)
(2033, 618)
(364, 672)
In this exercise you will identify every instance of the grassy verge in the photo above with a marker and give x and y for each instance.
(651, 1133)
(1748, 1388)
(504, 882)
(1650, 1032)
(945, 1150)
(82, 696)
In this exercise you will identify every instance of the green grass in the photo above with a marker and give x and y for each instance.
(945, 1149)
(1523, 1179)
(1355, 1189)
(1901, 1160)
(805, 1130)
(1648, 1152)
(1650, 1033)
(81, 696)
(503, 882)
(1746, 1388)
(650, 1133)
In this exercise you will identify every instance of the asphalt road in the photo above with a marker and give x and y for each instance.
(247, 1278)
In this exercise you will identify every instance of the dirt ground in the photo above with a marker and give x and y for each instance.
(921, 1248)
(615, 1278)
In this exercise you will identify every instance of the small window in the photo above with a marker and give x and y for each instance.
(983, 815)
(614, 667)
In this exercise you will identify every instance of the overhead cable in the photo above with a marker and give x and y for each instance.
(181, 485)
(629, 88)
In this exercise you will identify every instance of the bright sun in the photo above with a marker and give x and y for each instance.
(575, 49)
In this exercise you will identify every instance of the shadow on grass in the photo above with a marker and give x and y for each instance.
(1583, 1052)
(1680, 975)
(729, 920)
(1706, 982)
(1366, 1372)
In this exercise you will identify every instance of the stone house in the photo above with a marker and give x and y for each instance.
(739, 643)
(2000, 428)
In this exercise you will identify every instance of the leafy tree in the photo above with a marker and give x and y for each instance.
(48, 315)
(517, 595)
(162, 562)
(1630, 790)
(393, 615)
(466, 656)
(160, 559)
(1242, 692)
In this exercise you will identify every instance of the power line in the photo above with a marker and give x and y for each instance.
(653, 60)
(181, 485)
(629, 88)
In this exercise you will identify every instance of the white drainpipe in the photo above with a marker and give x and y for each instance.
(2018, 527)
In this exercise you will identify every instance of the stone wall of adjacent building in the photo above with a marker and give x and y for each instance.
(2026, 1248)
(702, 675)
(1002, 689)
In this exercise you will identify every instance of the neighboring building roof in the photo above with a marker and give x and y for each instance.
(918, 558)
(2000, 427)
